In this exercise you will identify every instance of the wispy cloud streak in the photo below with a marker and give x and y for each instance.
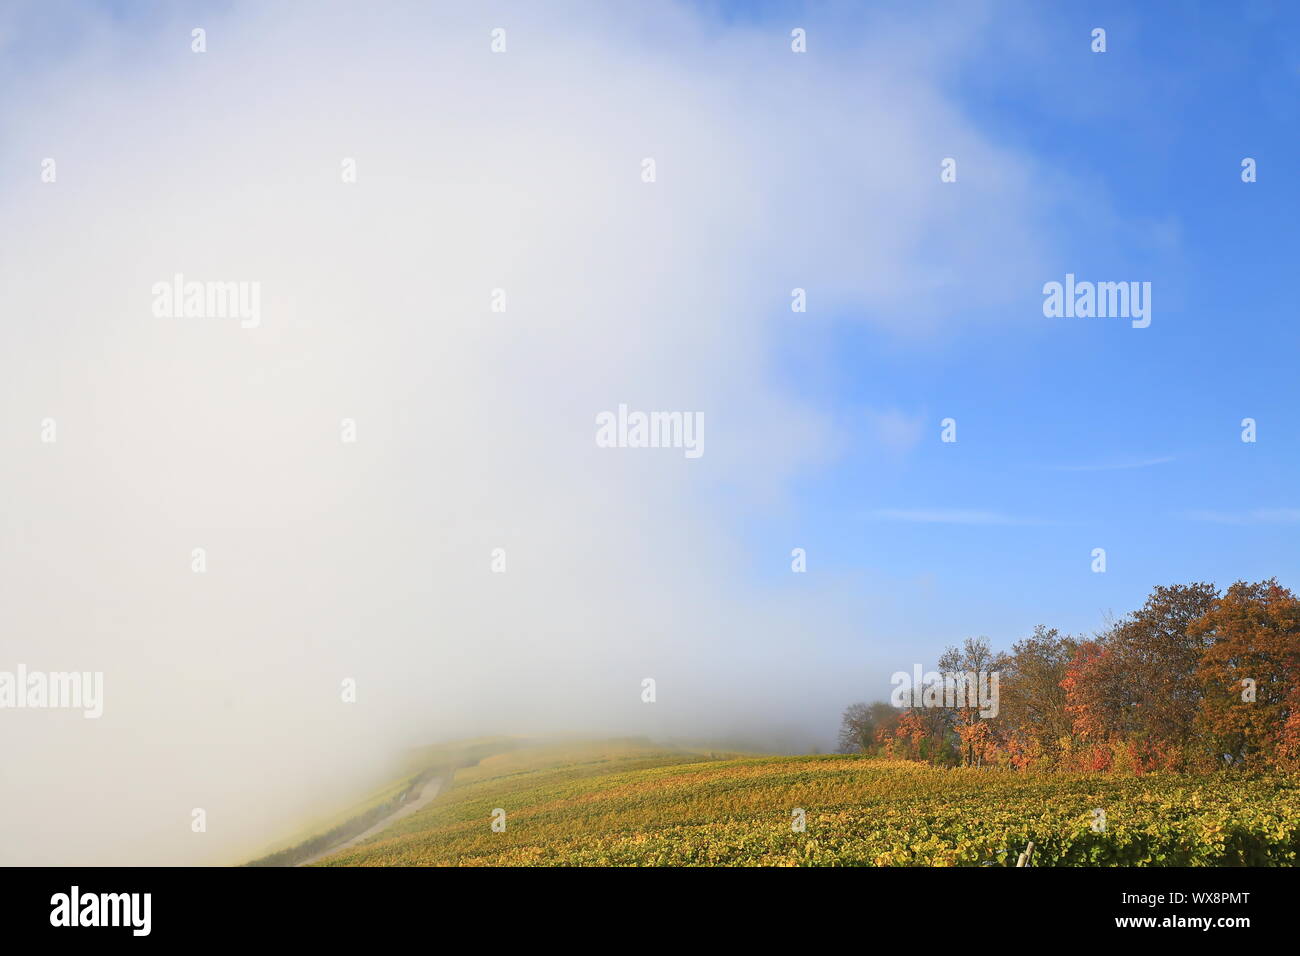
(1114, 466)
(946, 516)
(1255, 516)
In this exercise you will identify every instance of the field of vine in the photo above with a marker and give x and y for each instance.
(631, 803)
(336, 824)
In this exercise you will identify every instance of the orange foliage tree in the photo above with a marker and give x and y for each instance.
(1250, 671)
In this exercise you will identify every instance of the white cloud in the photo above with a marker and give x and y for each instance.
(896, 432)
(475, 429)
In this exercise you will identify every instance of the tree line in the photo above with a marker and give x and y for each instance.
(1193, 680)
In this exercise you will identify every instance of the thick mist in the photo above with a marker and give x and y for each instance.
(372, 560)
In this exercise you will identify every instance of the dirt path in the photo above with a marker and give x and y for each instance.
(432, 788)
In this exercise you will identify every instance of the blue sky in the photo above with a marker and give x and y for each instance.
(1081, 433)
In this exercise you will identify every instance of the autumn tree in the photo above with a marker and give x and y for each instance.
(1137, 682)
(1033, 701)
(863, 725)
(1159, 651)
(1250, 671)
(921, 733)
(971, 726)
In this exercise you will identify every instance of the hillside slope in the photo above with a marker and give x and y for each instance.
(631, 803)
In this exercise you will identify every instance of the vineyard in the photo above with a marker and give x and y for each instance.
(628, 803)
